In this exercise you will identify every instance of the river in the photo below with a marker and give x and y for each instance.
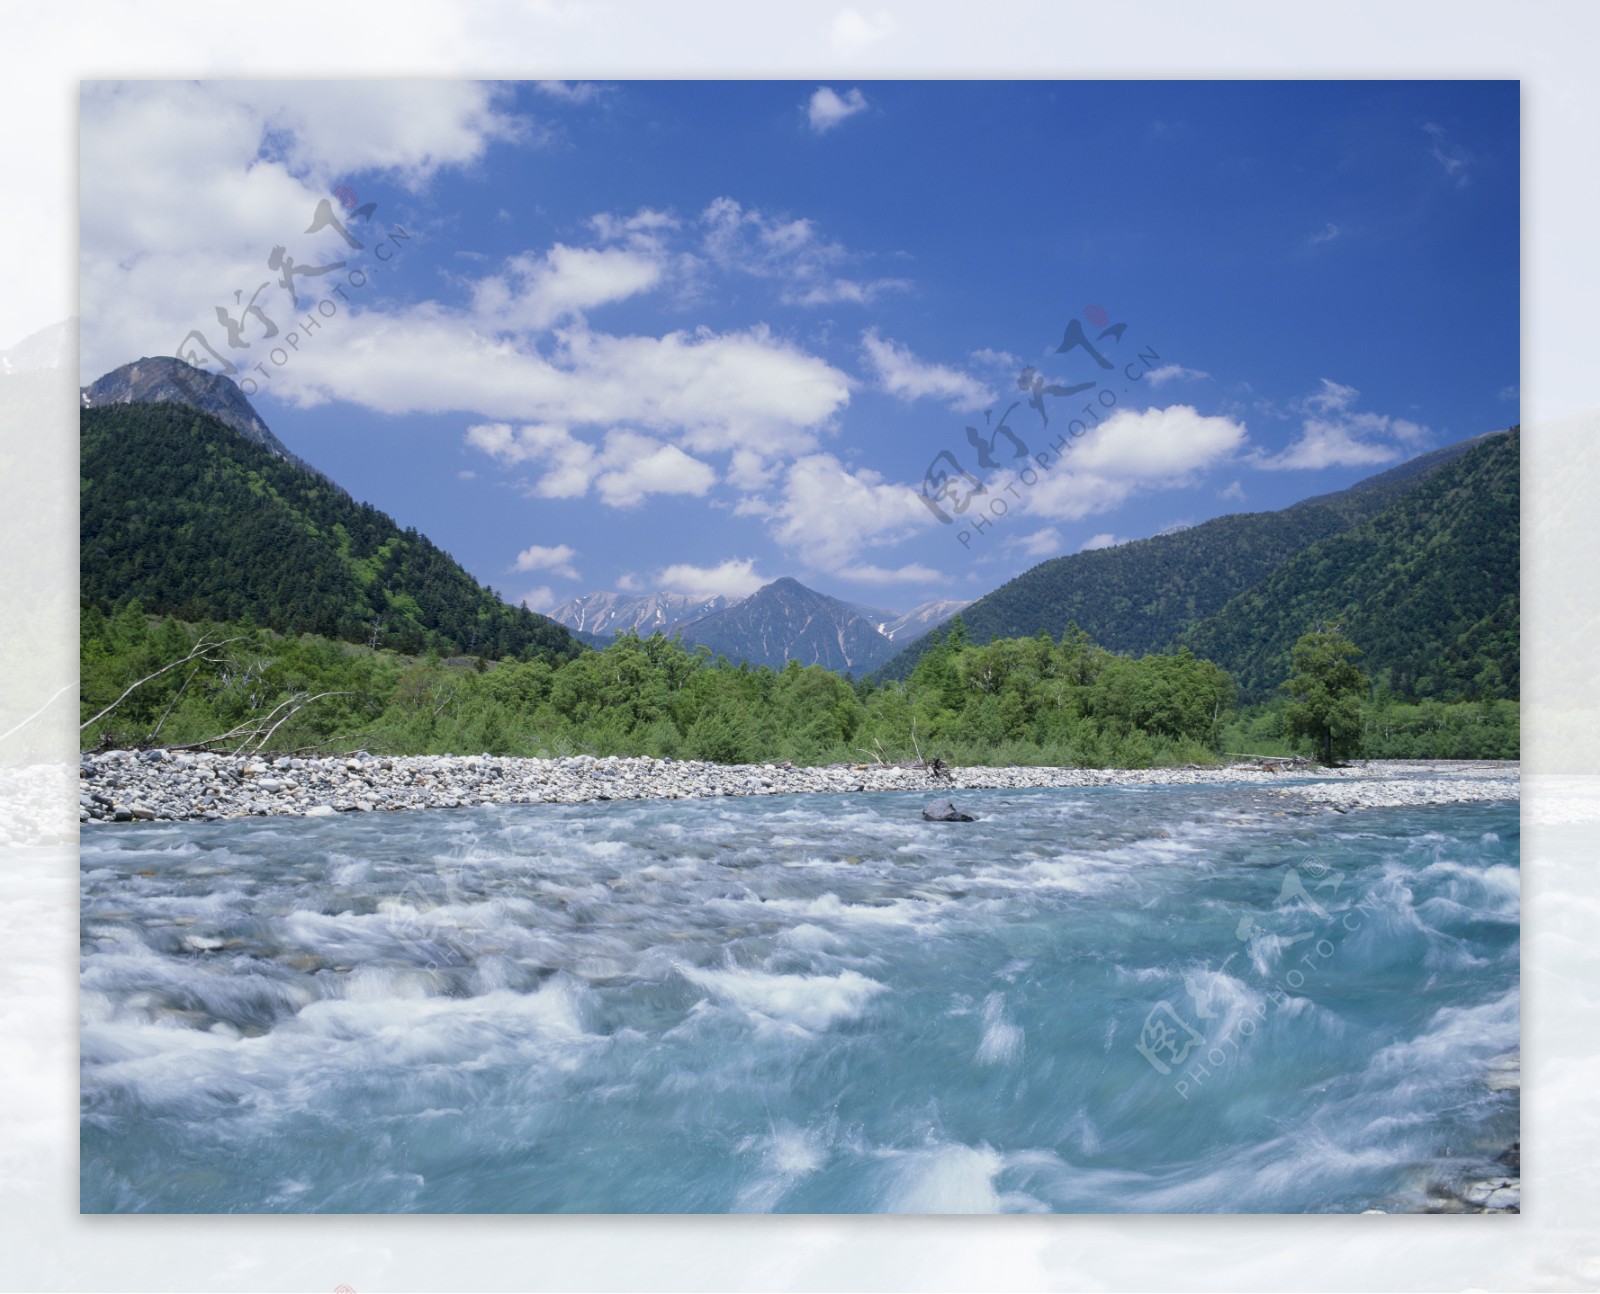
(1120, 998)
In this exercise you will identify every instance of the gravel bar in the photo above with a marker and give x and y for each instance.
(160, 785)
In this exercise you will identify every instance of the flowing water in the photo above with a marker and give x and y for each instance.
(1103, 999)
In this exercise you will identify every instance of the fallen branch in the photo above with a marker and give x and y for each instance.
(151, 739)
(260, 733)
(200, 650)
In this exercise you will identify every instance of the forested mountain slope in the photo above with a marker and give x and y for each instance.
(191, 518)
(1150, 594)
(1429, 589)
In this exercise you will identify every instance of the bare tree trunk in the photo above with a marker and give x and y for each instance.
(200, 650)
(260, 733)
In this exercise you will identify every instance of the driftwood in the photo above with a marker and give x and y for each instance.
(1272, 763)
(260, 729)
(937, 770)
(200, 650)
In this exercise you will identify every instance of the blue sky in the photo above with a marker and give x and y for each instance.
(695, 336)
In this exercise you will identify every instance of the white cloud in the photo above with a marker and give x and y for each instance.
(570, 91)
(636, 466)
(1041, 543)
(852, 31)
(1067, 494)
(556, 559)
(1326, 234)
(628, 582)
(539, 599)
(534, 292)
(1334, 434)
(710, 391)
(466, 474)
(750, 470)
(644, 228)
(1174, 373)
(1330, 397)
(626, 468)
(912, 573)
(906, 377)
(827, 108)
(734, 578)
(329, 130)
(1509, 393)
(998, 359)
(1455, 160)
(1158, 444)
(187, 188)
(1159, 448)
(1232, 491)
(827, 513)
(809, 268)
(1329, 444)
(1104, 540)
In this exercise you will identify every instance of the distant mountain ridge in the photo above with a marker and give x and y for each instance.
(786, 621)
(920, 619)
(604, 614)
(782, 621)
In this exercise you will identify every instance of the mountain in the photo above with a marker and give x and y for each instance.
(1138, 596)
(1367, 497)
(1144, 596)
(182, 512)
(600, 615)
(919, 620)
(875, 616)
(1428, 588)
(155, 379)
(786, 621)
(49, 348)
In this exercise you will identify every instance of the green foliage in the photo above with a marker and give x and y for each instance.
(1393, 729)
(1326, 691)
(1438, 730)
(1021, 701)
(1180, 696)
(186, 516)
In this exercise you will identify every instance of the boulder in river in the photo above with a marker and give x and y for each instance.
(944, 811)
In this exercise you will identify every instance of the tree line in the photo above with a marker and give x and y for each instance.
(1036, 700)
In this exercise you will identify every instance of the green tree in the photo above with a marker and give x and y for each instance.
(1325, 691)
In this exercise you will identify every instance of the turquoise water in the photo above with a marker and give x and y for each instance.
(1108, 999)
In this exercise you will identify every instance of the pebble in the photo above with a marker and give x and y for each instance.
(124, 785)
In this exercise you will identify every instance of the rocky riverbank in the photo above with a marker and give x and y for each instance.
(158, 785)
